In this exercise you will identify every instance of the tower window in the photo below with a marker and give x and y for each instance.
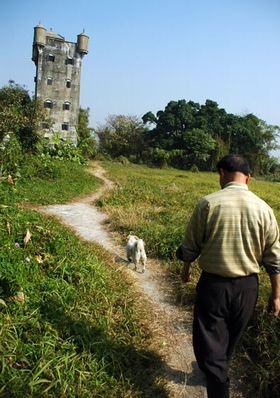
(49, 81)
(66, 106)
(35, 79)
(69, 61)
(68, 83)
(51, 58)
(65, 126)
(48, 104)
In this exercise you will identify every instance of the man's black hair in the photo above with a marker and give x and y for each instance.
(233, 163)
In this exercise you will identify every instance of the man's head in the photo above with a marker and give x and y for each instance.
(233, 168)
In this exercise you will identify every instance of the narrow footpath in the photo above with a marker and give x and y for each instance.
(184, 379)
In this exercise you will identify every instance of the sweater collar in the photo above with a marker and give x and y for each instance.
(231, 185)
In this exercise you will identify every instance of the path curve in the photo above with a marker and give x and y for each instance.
(184, 380)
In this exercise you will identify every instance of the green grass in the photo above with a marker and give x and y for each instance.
(159, 203)
(79, 332)
(66, 180)
(156, 205)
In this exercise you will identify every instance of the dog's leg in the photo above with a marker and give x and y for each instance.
(128, 255)
(136, 260)
(144, 265)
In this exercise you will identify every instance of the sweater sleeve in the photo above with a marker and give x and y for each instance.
(195, 233)
(271, 254)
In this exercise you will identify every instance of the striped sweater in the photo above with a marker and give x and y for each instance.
(232, 232)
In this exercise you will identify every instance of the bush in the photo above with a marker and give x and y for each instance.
(194, 168)
(39, 166)
(11, 155)
(160, 157)
(62, 149)
(122, 160)
(88, 148)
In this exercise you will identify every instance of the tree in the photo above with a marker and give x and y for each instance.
(177, 117)
(198, 146)
(86, 140)
(202, 134)
(254, 139)
(122, 136)
(21, 115)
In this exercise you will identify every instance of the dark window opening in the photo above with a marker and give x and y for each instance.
(44, 125)
(66, 106)
(35, 79)
(65, 126)
(68, 83)
(51, 58)
(69, 61)
(49, 81)
(48, 104)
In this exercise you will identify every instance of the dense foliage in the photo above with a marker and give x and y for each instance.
(20, 115)
(186, 135)
(122, 136)
(86, 141)
(201, 134)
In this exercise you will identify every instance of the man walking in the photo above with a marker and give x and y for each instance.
(232, 232)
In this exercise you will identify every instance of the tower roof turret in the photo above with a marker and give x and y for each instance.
(82, 43)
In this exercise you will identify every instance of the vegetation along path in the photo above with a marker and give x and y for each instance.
(172, 323)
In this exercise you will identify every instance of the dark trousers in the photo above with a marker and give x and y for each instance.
(222, 311)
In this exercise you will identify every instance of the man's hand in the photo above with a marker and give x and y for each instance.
(274, 306)
(186, 272)
(274, 301)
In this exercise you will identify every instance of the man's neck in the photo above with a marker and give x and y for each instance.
(226, 177)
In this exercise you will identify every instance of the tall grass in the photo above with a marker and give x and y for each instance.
(78, 332)
(156, 204)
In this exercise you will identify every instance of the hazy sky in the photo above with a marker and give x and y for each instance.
(145, 53)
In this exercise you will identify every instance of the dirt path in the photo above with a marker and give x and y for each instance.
(173, 324)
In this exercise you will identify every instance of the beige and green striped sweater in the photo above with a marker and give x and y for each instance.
(232, 232)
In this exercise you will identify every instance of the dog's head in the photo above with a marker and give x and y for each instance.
(132, 237)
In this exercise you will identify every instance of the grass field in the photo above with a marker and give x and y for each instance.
(156, 205)
(78, 332)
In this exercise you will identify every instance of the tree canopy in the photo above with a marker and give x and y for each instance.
(122, 136)
(200, 134)
(19, 114)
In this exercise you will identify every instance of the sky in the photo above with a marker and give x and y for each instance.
(145, 53)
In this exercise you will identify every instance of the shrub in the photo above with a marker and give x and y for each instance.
(11, 155)
(194, 168)
(88, 147)
(62, 149)
(39, 166)
(122, 160)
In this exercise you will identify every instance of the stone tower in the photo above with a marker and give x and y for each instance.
(57, 82)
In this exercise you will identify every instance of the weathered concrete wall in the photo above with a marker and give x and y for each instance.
(58, 72)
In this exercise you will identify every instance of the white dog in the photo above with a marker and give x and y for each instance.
(135, 251)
